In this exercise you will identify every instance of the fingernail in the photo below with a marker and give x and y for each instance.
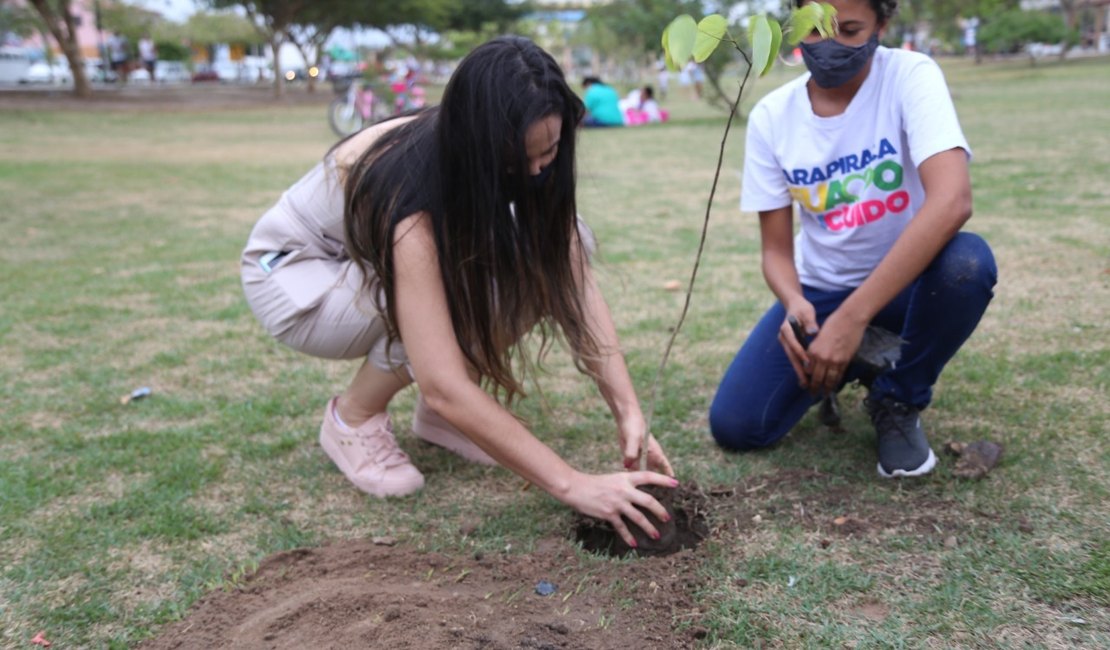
(632, 544)
(674, 482)
(655, 535)
(666, 518)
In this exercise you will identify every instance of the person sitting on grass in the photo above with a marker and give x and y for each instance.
(640, 107)
(428, 245)
(602, 104)
(869, 147)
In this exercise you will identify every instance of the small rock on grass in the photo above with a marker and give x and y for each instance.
(974, 459)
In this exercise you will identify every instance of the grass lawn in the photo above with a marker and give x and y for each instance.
(120, 270)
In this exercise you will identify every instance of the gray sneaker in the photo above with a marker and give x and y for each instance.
(903, 448)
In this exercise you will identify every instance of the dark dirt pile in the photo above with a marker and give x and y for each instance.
(356, 594)
(359, 595)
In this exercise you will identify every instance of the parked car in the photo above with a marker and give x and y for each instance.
(222, 71)
(13, 64)
(164, 72)
(42, 72)
(171, 71)
(205, 73)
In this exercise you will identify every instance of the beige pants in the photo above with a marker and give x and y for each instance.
(323, 308)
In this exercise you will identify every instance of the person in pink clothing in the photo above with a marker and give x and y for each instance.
(429, 245)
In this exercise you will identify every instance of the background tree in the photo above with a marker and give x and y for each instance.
(273, 20)
(458, 25)
(944, 16)
(130, 21)
(18, 20)
(316, 23)
(1012, 31)
(58, 18)
(464, 25)
(203, 30)
(480, 15)
(616, 27)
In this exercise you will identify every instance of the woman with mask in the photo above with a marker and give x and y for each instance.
(428, 245)
(869, 148)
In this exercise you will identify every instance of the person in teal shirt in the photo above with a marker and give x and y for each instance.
(602, 104)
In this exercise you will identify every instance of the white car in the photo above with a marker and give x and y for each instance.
(171, 72)
(42, 72)
(13, 64)
(164, 72)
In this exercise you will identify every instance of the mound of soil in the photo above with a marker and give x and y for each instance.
(359, 595)
(356, 594)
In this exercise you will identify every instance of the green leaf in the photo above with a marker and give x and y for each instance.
(671, 65)
(666, 46)
(813, 16)
(759, 31)
(828, 25)
(711, 30)
(681, 34)
(776, 45)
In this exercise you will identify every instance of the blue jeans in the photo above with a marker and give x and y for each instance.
(759, 399)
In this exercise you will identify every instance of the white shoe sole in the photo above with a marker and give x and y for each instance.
(925, 468)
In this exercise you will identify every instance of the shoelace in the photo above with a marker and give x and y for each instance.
(382, 447)
(892, 416)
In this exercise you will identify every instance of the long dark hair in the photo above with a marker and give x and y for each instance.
(504, 269)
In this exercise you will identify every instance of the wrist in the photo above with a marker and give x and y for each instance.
(561, 487)
(629, 416)
(853, 313)
(793, 302)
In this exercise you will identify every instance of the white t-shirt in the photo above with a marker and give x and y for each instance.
(146, 50)
(853, 176)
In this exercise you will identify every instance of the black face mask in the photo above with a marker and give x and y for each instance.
(833, 64)
(537, 181)
(534, 183)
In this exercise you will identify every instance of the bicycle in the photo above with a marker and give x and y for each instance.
(356, 105)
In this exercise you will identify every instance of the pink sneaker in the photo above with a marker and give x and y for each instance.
(368, 455)
(431, 427)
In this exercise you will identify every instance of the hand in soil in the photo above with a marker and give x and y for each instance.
(685, 529)
(632, 432)
(615, 498)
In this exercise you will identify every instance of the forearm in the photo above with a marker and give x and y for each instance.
(493, 428)
(776, 232)
(782, 277)
(608, 366)
(946, 209)
(917, 246)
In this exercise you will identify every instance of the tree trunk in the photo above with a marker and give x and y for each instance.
(279, 77)
(310, 81)
(64, 30)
